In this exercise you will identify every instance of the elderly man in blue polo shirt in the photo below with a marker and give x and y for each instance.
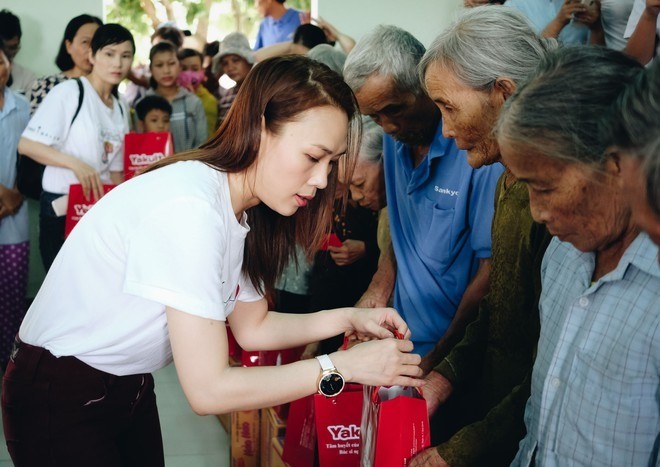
(440, 208)
(278, 25)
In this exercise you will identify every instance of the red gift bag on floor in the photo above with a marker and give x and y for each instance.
(143, 149)
(78, 205)
(329, 426)
(395, 426)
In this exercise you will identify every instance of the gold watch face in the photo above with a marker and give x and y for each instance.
(331, 384)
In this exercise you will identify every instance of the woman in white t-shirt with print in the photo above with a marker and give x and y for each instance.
(156, 267)
(81, 144)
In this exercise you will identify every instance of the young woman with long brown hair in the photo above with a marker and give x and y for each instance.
(155, 268)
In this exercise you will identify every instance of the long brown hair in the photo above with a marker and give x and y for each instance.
(278, 89)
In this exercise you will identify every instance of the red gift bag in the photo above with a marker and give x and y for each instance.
(329, 426)
(78, 205)
(395, 426)
(143, 149)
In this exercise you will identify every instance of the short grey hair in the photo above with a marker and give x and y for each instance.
(371, 150)
(558, 110)
(328, 55)
(387, 51)
(634, 123)
(486, 43)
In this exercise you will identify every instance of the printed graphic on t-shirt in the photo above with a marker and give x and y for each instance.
(111, 143)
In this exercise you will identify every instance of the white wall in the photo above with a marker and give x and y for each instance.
(422, 18)
(43, 23)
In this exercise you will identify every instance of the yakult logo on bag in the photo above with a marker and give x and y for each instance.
(344, 433)
(145, 159)
(81, 209)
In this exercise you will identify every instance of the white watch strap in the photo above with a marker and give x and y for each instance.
(326, 363)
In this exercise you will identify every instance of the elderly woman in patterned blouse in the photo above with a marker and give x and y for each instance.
(72, 58)
(596, 376)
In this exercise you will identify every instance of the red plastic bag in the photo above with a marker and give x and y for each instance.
(395, 426)
(327, 428)
(143, 149)
(78, 205)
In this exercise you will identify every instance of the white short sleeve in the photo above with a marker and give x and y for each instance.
(176, 257)
(51, 122)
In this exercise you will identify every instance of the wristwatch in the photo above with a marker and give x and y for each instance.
(331, 382)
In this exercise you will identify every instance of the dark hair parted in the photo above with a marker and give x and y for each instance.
(111, 34)
(152, 102)
(557, 110)
(63, 60)
(277, 91)
(169, 34)
(10, 25)
(309, 36)
(187, 53)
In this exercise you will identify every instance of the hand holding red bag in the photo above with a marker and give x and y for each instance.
(395, 425)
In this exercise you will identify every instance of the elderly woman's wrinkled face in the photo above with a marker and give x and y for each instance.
(635, 186)
(578, 203)
(468, 115)
(368, 185)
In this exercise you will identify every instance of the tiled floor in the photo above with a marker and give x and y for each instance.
(189, 440)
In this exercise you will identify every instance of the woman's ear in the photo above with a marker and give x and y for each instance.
(91, 56)
(504, 87)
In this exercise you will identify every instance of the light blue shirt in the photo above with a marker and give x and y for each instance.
(440, 217)
(542, 12)
(14, 117)
(596, 381)
(273, 31)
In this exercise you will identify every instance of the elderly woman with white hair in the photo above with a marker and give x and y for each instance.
(634, 122)
(470, 71)
(596, 378)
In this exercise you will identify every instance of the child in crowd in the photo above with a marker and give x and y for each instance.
(153, 114)
(14, 238)
(211, 49)
(235, 59)
(188, 121)
(192, 77)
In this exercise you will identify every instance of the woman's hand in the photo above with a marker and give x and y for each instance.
(348, 253)
(10, 201)
(88, 178)
(591, 16)
(568, 10)
(379, 323)
(386, 362)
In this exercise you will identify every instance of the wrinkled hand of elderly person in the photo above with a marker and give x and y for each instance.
(348, 253)
(569, 10)
(436, 391)
(653, 7)
(591, 17)
(427, 458)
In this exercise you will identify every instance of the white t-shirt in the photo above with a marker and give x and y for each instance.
(165, 238)
(635, 15)
(96, 136)
(614, 16)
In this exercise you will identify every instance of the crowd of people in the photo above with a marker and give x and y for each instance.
(494, 198)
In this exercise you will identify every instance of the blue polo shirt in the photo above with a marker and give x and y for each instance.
(440, 218)
(14, 117)
(272, 31)
(542, 12)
